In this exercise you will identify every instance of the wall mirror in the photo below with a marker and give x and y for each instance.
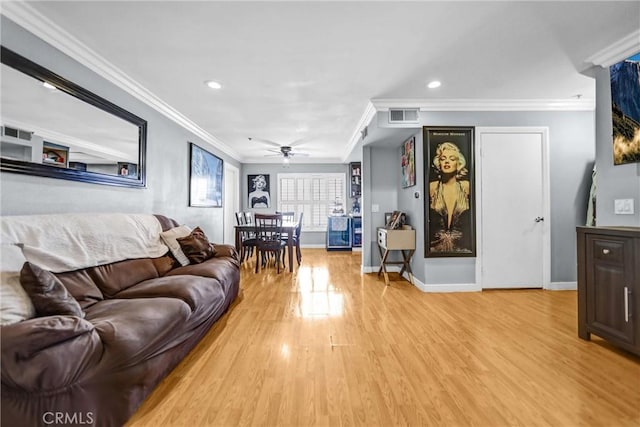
(53, 128)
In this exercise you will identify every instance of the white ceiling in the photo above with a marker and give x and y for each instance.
(300, 69)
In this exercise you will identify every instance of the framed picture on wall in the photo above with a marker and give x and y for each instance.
(408, 163)
(449, 184)
(205, 178)
(259, 191)
(625, 110)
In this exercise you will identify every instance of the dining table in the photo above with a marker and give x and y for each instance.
(288, 228)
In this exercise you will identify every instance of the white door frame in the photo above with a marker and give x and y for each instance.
(546, 209)
(231, 203)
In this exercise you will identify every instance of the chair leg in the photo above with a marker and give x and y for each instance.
(298, 254)
(257, 258)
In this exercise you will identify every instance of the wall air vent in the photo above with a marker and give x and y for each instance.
(364, 132)
(404, 115)
(16, 133)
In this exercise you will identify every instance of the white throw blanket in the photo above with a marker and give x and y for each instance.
(66, 242)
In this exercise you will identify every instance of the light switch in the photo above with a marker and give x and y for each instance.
(623, 207)
(375, 208)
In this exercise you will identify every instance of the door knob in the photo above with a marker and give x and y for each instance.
(539, 219)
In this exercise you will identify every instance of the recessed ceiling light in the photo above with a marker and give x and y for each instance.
(434, 84)
(48, 85)
(212, 84)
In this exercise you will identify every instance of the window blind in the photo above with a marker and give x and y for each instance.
(315, 194)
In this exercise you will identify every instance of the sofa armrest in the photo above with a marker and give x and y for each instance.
(47, 353)
(222, 250)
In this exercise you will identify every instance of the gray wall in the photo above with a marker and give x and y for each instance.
(613, 182)
(571, 152)
(309, 238)
(167, 156)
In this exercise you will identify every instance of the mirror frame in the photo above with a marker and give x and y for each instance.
(26, 66)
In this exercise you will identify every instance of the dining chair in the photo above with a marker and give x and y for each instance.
(296, 239)
(287, 216)
(247, 239)
(249, 217)
(269, 238)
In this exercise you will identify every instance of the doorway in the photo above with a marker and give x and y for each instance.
(513, 223)
(231, 201)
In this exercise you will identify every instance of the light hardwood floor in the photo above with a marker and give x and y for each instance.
(329, 346)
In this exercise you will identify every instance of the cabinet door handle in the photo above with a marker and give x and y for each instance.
(605, 251)
(626, 304)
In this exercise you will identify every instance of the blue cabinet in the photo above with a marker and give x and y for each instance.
(356, 232)
(339, 233)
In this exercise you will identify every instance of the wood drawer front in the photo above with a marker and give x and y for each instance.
(609, 250)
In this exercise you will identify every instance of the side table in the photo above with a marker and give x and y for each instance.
(403, 240)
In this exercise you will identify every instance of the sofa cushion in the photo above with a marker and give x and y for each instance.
(47, 293)
(170, 237)
(15, 304)
(203, 295)
(135, 330)
(115, 277)
(196, 246)
(164, 264)
(223, 269)
(80, 284)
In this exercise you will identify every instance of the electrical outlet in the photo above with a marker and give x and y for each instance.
(623, 206)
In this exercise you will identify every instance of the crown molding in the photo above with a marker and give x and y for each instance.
(486, 104)
(293, 162)
(617, 51)
(369, 113)
(33, 21)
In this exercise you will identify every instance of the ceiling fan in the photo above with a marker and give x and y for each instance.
(286, 151)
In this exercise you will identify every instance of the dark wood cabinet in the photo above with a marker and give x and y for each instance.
(609, 285)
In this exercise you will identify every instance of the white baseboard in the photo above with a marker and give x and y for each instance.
(449, 287)
(466, 287)
(563, 286)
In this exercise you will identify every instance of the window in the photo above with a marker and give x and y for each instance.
(315, 194)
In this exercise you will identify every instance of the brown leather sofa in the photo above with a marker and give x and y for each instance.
(142, 317)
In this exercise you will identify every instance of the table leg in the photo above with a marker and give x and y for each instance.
(290, 251)
(383, 267)
(381, 257)
(406, 265)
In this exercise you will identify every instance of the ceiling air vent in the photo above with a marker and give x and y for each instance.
(403, 115)
(16, 133)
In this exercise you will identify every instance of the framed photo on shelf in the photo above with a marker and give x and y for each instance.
(449, 223)
(205, 178)
(55, 154)
(395, 220)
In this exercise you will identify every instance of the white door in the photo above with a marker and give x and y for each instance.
(514, 218)
(231, 201)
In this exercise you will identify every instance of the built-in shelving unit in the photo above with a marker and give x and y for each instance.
(355, 179)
